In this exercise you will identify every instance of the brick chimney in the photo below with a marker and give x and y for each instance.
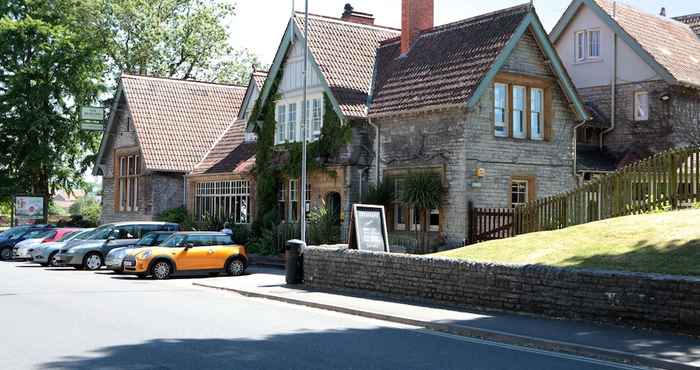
(350, 15)
(416, 16)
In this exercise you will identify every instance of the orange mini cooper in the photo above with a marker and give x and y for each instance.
(188, 253)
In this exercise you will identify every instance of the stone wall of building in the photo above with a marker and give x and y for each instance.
(457, 142)
(667, 302)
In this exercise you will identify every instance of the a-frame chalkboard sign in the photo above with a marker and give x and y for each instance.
(367, 231)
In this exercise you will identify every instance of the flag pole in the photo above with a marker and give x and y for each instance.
(304, 114)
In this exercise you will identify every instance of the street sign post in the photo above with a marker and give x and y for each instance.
(92, 118)
(92, 126)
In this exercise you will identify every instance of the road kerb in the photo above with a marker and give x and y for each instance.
(627, 358)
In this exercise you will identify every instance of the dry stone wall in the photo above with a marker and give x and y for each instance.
(649, 300)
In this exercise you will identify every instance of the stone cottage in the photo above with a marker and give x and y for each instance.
(158, 130)
(222, 185)
(485, 103)
(639, 73)
(341, 59)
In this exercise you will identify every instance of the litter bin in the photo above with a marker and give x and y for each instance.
(295, 261)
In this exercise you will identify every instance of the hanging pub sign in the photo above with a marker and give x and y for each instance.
(367, 231)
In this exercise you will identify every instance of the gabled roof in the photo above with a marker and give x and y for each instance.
(668, 46)
(342, 53)
(255, 85)
(453, 64)
(692, 20)
(259, 77)
(230, 154)
(176, 121)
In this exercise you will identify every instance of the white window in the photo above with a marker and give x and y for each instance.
(641, 106)
(292, 122)
(518, 192)
(293, 200)
(580, 45)
(224, 200)
(519, 112)
(500, 109)
(316, 117)
(593, 44)
(536, 117)
(399, 211)
(281, 201)
(281, 124)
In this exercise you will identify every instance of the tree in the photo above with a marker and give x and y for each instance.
(422, 191)
(185, 39)
(381, 194)
(50, 63)
(88, 207)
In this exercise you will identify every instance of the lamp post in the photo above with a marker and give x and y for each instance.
(304, 120)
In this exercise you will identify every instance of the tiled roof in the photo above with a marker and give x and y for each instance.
(345, 52)
(259, 79)
(692, 20)
(177, 121)
(445, 64)
(671, 43)
(230, 154)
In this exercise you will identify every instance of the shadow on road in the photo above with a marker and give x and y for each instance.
(379, 348)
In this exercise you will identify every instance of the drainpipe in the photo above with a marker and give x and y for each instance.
(184, 191)
(613, 85)
(376, 150)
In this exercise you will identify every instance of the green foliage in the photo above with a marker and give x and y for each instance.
(180, 216)
(271, 240)
(51, 62)
(323, 227)
(185, 39)
(423, 191)
(381, 194)
(88, 208)
(55, 210)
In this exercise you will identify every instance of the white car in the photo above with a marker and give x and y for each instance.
(45, 253)
(23, 250)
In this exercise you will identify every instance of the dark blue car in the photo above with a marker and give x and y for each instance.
(9, 238)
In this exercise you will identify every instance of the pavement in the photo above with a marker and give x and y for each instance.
(607, 342)
(61, 318)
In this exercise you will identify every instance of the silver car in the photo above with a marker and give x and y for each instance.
(46, 253)
(90, 254)
(115, 258)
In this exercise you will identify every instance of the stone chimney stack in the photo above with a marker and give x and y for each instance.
(416, 16)
(350, 15)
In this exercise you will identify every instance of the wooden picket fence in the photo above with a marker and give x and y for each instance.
(669, 179)
(489, 224)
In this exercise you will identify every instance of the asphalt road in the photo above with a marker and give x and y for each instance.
(68, 319)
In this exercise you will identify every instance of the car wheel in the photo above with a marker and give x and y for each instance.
(52, 259)
(92, 261)
(235, 267)
(161, 270)
(5, 254)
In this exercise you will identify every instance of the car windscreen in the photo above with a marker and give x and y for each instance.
(68, 236)
(147, 240)
(81, 235)
(223, 240)
(162, 237)
(174, 241)
(101, 233)
(38, 234)
(15, 233)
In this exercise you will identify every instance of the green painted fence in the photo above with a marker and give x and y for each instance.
(669, 179)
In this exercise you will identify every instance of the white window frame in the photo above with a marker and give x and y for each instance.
(590, 44)
(638, 116)
(292, 122)
(293, 200)
(526, 192)
(518, 128)
(536, 114)
(500, 124)
(228, 199)
(281, 132)
(580, 41)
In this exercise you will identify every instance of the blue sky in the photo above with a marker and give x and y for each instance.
(259, 24)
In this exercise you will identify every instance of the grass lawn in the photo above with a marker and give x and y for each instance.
(667, 243)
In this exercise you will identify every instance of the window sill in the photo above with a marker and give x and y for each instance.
(588, 61)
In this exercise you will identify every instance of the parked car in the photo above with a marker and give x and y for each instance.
(116, 256)
(188, 253)
(90, 254)
(45, 254)
(23, 250)
(15, 235)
